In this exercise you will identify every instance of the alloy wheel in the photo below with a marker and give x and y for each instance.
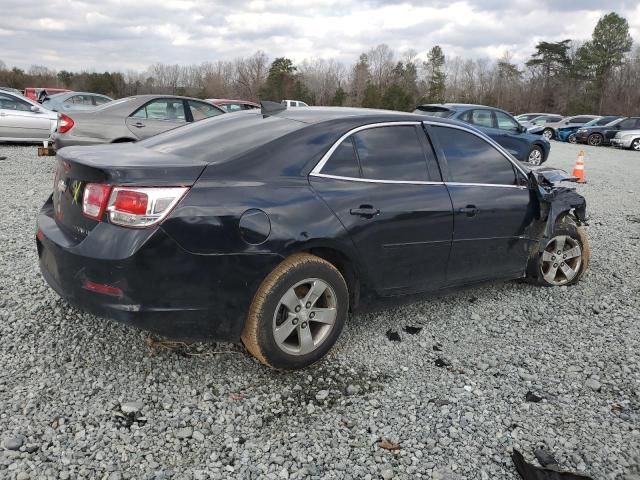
(561, 260)
(305, 316)
(595, 140)
(535, 156)
(572, 138)
(635, 145)
(548, 134)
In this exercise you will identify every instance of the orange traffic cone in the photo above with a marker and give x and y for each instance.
(578, 170)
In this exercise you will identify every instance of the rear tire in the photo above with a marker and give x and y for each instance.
(595, 139)
(535, 156)
(548, 133)
(297, 314)
(550, 268)
(635, 145)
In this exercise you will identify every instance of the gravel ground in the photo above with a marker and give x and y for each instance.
(82, 397)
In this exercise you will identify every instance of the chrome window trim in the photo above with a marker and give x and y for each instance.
(325, 158)
(500, 185)
(370, 180)
(489, 140)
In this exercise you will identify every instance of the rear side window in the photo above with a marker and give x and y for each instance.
(343, 161)
(164, 109)
(472, 160)
(628, 124)
(481, 118)
(201, 110)
(391, 153)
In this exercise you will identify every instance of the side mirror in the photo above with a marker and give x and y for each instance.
(522, 129)
(36, 109)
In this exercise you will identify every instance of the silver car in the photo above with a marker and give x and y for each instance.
(627, 139)
(23, 120)
(74, 101)
(130, 119)
(549, 130)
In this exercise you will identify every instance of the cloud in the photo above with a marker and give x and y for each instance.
(116, 34)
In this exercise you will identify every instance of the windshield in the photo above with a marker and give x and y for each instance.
(440, 112)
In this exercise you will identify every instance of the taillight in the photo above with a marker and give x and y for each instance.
(94, 200)
(65, 123)
(143, 206)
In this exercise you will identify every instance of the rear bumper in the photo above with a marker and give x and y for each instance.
(163, 288)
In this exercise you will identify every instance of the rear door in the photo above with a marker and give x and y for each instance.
(492, 207)
(157, 116)
(384, 185)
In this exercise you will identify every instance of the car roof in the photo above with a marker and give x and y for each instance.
(312, 115)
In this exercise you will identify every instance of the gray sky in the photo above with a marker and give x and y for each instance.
(132, 34)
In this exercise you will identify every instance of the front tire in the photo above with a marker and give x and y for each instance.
(297, 314)
(535, 156)
(572, 138)
(595, 139)
(635, 145)
(548, 133)
(565, 257)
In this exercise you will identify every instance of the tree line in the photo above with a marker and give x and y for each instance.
(599, 76)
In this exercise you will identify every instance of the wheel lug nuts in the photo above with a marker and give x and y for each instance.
(303, 324)
(562, 264)
(564, 256)
(298, 308)
(308, 305)
(312, 314)
(295, 321)
(555, 265)
(553, 257)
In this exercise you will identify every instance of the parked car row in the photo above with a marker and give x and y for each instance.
(593, 130)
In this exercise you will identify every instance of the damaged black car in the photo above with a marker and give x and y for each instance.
(271, 226)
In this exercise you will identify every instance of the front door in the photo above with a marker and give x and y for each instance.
(383, 184)
(492, 208)
(156, 117)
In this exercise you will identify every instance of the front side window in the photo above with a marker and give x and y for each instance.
(101, 100)
(343, 161)
(481, 118)
(391, 153)
(472, 160)
(505, 122)
(7, 102)
(165, 109)
(201, 110)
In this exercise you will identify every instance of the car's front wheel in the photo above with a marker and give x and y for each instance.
(572, 138)
(635, 145)
(535, 155)
(548, 133)
(565, 257)
(297, 313)
(595, 139)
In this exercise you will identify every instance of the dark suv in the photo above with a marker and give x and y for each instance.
(598, 135)
(497, 124)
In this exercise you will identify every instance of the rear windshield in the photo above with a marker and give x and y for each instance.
(602, 121)
(222, 137)
(113, 103)
(434, 111)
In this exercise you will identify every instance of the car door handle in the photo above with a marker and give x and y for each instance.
(365, 211)
(139, 125)
(470, 210)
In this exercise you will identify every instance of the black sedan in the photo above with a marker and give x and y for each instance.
(598, 135)
(271, 226)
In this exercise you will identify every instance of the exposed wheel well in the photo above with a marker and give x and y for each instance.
(346, 269)
(123, 140)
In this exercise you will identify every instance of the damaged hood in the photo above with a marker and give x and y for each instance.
(549, 176)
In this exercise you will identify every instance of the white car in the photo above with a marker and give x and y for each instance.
(293, 103)
(627, 139)
(23, 120)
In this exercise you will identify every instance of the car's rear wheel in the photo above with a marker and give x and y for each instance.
(635, 145)
(297, 313)
(535, 155)
(572, 138)
(548, 133)
(565, 257)
(595, 139)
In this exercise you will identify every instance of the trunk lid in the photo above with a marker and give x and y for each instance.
(118, 165)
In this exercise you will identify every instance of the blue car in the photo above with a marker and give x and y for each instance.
(497, 124)
(568, 133)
